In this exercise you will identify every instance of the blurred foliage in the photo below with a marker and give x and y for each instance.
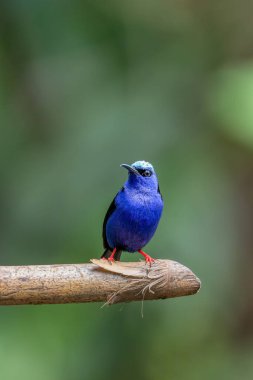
(85, 86)
(232, 100)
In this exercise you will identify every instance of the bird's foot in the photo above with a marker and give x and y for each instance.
(111, 258)
(149, 260)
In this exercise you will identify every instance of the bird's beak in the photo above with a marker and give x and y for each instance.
(130, 168)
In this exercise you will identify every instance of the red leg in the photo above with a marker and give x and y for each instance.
(148, 258)
(111, 258)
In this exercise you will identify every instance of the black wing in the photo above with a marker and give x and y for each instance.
(158, 190)
(110, 211)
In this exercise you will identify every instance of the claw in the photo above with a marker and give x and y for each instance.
(149, 260)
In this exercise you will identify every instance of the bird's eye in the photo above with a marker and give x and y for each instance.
(146, 173)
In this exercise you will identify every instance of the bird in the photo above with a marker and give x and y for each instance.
(134, 214)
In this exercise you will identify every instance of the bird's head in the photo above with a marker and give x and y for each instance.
(141, 174)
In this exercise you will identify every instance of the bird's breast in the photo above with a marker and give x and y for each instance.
(141, 208)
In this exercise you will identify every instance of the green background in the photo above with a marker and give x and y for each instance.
(84, 87)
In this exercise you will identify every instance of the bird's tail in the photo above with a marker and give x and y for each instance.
(107, 253)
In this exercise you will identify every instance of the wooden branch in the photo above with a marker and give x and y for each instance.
(100, 281)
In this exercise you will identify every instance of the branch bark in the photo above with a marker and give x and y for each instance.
(97, 282)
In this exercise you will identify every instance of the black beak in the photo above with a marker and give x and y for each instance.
(130, 168)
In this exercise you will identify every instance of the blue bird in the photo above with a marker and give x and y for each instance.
(134, 214)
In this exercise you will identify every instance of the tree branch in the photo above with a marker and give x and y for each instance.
(97, 282)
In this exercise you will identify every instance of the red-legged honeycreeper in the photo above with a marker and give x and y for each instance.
(134, 214)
